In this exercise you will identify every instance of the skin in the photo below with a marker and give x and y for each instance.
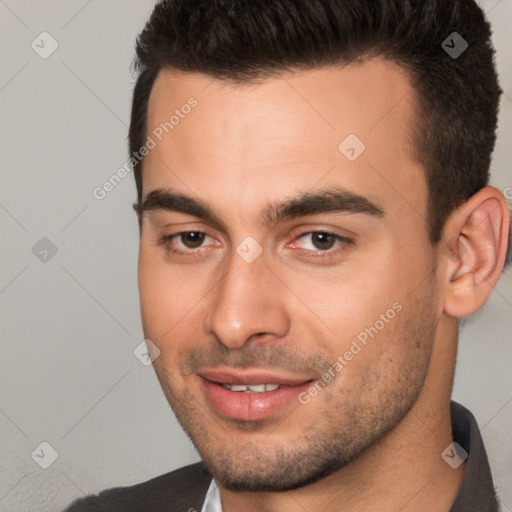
(378, 429)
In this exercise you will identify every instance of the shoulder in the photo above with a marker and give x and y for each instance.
(183, 489)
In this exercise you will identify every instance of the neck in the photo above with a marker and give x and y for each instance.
(403, 471)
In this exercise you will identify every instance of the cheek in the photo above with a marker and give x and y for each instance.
(362, 308)
(170, 299)
(159, 291)
(351, 298)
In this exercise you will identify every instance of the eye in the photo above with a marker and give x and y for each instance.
(185, 241)
(321, 242)
(317, 243)
(192, 239)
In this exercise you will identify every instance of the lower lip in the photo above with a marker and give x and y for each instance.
(250, 406)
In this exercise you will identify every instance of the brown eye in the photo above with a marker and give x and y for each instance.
(188, 243)
(322, 244)
(192, 239)
(323, 241)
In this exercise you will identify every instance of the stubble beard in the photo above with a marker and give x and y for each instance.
(250, 456)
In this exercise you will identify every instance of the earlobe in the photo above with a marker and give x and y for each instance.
(478, 233)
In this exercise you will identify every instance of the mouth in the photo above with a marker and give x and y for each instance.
(251, 395)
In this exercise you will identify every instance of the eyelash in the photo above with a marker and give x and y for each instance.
(343, 243)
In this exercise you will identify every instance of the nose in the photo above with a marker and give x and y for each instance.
(248, 301)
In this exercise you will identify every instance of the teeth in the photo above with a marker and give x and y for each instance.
(238, 387)
(252, 388)
(257, 388)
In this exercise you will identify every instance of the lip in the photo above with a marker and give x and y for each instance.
(247, 406)
(224, 375)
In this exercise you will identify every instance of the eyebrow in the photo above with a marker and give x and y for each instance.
(336, 200)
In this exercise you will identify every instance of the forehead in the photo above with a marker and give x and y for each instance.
(298, 129)
(360, 97)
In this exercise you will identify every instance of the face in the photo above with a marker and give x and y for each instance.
(285, 271)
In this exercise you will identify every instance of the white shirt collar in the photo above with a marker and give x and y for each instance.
(212, 501)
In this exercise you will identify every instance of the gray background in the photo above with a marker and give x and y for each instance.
(69, 325)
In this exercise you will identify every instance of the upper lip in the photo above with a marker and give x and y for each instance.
(226, 375)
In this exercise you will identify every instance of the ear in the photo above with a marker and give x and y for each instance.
(476, 237)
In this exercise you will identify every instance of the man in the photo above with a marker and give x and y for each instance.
(314, 221)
